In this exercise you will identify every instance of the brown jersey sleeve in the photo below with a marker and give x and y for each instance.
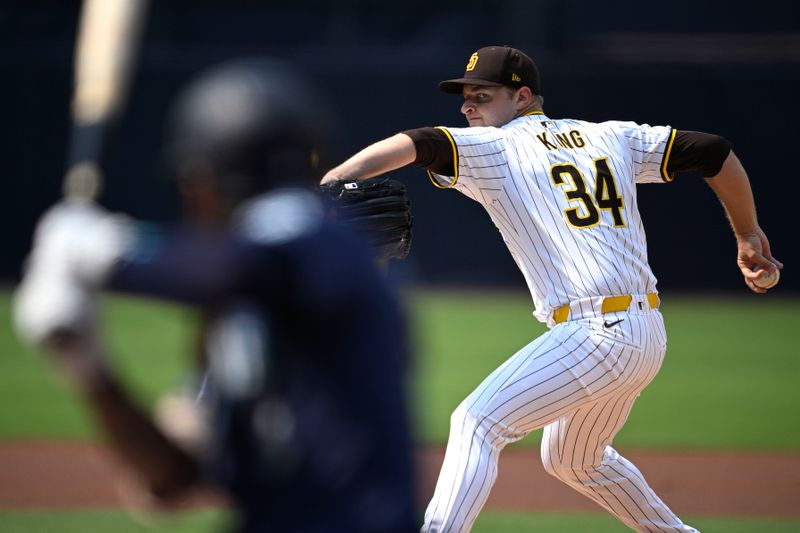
(694, 150)
(434, 150)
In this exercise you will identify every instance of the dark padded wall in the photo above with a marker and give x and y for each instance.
(735, 72)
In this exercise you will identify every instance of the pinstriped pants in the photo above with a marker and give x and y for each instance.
(578, 381)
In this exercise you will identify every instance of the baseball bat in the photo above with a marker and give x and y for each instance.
(108, 39)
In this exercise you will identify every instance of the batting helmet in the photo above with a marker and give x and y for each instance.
(253, 124)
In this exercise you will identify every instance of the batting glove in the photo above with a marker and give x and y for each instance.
(74, 248)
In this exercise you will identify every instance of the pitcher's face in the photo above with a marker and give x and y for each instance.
(489, 106)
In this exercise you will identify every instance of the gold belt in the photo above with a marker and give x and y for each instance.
(610, 305)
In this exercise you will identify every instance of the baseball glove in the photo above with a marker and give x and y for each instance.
(376, 209)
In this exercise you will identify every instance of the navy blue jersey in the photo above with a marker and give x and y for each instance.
(306, 355)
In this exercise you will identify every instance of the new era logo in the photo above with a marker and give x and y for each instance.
(514, 77)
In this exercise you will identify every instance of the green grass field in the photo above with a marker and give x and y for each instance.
(215, 521)
(107, 521)
(729, 379)
(729, 382)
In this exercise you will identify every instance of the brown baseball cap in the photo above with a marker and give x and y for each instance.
(496, 66)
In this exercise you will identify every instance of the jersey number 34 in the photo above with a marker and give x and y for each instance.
(605, 194)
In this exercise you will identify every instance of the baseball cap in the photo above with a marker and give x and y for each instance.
(496, 66)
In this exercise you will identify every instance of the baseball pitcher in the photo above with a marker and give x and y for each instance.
(562, 193)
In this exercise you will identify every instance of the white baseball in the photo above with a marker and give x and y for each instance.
(767, 280)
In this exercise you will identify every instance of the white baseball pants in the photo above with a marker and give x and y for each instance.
(578, 381)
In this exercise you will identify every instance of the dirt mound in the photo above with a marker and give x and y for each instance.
(81, 475)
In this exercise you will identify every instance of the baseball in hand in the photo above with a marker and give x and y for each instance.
(767, 280)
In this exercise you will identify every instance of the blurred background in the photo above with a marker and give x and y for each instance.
(731, 68)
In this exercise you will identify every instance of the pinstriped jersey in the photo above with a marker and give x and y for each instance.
(562, 193)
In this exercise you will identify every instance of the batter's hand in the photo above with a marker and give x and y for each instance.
(52, 309)
(55, 305)
(754, 255)
(57, 314)
(74, 246)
